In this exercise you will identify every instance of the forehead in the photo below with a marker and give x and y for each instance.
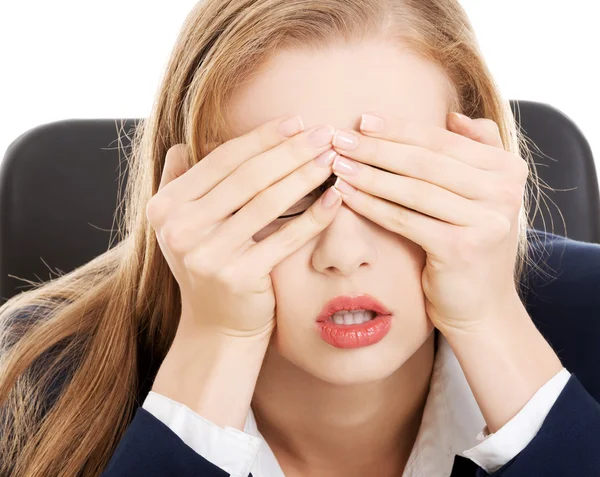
(336, 84)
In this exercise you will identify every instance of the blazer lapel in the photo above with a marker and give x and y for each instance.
(463, 467)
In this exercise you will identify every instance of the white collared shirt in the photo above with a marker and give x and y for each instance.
(451, 424)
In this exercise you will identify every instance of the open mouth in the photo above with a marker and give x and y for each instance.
(354, 317)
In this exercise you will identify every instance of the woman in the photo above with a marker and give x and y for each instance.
(167, 355)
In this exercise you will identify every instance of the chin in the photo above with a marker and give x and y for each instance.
(351, 366)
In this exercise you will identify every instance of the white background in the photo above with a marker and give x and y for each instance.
(69, 59)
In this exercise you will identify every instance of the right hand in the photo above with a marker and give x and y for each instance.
(223, 274)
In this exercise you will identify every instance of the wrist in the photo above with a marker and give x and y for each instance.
(212, 374)
(505, 362)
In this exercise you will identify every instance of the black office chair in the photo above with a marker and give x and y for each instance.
(59, 181)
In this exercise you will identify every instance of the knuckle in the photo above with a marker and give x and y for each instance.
(232, 279)
(291, 149)
(314, 219)
(440, 142)
(222, 158)
(289, 237)
(176, 153)
(465, 246)
(374, 149)
(225, 276)
(200, 264)
(511, 194)
(264, 138)
(413, 198)
(522, 169)
(262, 204)
(423, 166)
(499, 226)
(309, 174)
(369, 181)
(157, 210)
(258, 139)
(174, 237)
(468, 246)
(176, 159)
(300, 149)
(399, 219)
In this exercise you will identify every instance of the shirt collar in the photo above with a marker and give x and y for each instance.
(451, 419)
(450, 424)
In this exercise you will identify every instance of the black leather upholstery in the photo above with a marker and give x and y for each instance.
(59, 182)
(565, 164)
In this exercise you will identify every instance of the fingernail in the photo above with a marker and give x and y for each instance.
(461, 117)
(326, 159)
(345, 166)
(321, 137)
(330, 197)
(345, 140)
(289, 127)
(372, 123)
(344, 187)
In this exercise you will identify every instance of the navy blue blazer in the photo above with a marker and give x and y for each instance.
(563, 302)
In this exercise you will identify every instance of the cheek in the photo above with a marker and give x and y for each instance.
(289, 278)
(411, 250)
(297, 299)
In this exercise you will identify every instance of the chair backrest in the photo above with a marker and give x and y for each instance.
(59, 183)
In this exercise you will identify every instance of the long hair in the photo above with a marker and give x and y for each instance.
(78, 353)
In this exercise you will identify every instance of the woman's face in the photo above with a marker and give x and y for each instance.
(353, 255)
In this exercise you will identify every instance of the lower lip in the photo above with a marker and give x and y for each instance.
(357, 335)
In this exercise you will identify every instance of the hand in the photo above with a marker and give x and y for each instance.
(458, 194)
(223, 274)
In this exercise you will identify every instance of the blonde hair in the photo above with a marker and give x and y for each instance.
(102, 330)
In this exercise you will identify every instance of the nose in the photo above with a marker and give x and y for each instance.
(346, 246)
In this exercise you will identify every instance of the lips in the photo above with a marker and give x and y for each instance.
(357, 335)
(361, 302)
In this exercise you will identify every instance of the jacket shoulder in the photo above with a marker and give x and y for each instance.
(563, 300)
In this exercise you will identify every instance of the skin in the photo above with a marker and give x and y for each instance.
(326, 411)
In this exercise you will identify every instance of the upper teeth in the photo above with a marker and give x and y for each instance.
(346, 317)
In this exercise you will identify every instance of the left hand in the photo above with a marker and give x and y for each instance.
(457, 193)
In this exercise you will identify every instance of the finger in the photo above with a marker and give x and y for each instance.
(176, 164)
(414, 194)
(266, 254)
(224, 159)
(482, 130)
(257, 174)
(434, 138)
(416, 227)
(418, 163)
(267, 206)
(486, 131)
